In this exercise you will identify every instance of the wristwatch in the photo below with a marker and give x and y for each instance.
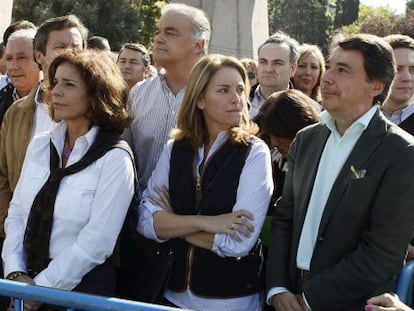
(14, 275)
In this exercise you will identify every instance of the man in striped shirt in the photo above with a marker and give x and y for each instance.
(182, 37)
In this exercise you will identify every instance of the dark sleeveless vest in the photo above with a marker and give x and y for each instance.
(201, 270)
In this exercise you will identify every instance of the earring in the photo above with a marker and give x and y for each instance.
(201, 107)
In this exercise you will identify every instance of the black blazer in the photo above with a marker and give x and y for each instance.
(366, 224)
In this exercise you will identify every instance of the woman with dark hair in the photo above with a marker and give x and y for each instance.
(76, 185)
(208, 195)
(283, 115)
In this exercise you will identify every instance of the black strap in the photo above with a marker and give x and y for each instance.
(40, 220)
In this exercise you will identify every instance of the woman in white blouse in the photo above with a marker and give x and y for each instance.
(208, 195)
(88, 95)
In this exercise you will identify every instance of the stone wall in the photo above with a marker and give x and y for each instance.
(238, 26)
(6, 7)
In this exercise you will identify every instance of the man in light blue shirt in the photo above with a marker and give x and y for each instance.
(278, 57)
(341, 228)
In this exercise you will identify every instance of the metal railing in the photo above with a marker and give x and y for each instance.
(405, 283)
(70, 300)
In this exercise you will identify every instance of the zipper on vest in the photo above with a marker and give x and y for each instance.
(189, 264)
(198, 196)
(198, 193)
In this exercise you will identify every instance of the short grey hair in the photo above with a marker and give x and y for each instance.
(199, 19)
(23, 34)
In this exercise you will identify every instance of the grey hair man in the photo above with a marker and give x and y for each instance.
(182, 37)
(22, 68)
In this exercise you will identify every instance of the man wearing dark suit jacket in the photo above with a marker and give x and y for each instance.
(341, 228)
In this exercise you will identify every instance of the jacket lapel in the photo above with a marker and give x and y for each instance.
(361, 152)
(315, 149)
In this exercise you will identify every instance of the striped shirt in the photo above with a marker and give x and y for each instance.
(154, 109)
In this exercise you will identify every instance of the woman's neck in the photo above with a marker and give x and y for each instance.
(74, 131)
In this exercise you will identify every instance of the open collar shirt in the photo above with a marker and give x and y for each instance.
(253, 194)
(89, 211)
(155, 109)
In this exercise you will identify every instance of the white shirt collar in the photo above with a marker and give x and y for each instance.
(361, 123)
(82, 143)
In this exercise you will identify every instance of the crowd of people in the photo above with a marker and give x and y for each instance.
(282, 183)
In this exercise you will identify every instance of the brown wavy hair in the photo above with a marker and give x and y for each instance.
(190, 122)
(104, 83)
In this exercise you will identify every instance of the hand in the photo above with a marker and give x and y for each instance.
(286, 302)
(386, 302)
(233, 224)
(24, 278)
(410, 252)
(31, 305)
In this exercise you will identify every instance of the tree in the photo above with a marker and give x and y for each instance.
(295, 17)
(346, 12)
(119, 21)
(409, 6)
(380, 21)
(405, 24)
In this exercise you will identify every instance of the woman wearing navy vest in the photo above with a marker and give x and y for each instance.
(208, 195)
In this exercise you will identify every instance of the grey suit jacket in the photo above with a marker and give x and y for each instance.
(366, 224)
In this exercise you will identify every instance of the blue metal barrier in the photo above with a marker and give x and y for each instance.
(70, 300)
(405, 282)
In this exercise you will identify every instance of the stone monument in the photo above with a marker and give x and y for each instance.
(238, 26)
(6, 7)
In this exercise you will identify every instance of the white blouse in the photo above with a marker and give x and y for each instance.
(89, 212)
(253, 194)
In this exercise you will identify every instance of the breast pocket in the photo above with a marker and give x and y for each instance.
(31, 181)
(359, 194)
(75, 198)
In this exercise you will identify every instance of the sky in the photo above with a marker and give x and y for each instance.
(397, 5)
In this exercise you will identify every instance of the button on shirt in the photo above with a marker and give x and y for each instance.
(89, 212)
(154, 109)
(337, 149)
(253, 194)
(399, 116)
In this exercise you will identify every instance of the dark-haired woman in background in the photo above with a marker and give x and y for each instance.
(280, 118)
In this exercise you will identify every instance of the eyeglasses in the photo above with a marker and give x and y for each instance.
(251, 75)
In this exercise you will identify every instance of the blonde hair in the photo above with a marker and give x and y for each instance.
(190, 122)
(306, 50)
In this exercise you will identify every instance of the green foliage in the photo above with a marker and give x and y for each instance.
(382, 21)
(119, 21)
(405, 24)
(409, 6)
